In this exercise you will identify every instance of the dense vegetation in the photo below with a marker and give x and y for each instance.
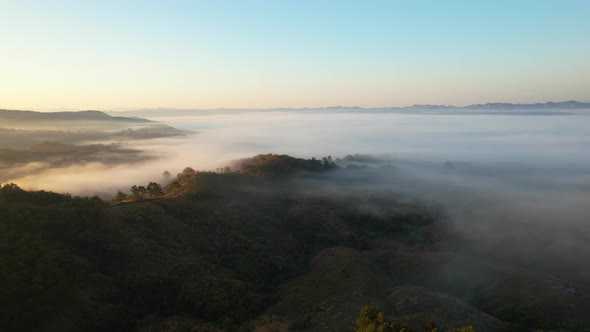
(369, 320)
(216, 253)
(52, 247)
(223, 250)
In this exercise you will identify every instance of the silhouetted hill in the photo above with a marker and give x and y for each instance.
(32, 116)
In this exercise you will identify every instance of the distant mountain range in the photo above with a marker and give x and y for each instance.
(11, 116)
(564, 105)
(548, 108)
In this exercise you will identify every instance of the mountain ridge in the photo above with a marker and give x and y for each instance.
(89, 115)
(546, 108)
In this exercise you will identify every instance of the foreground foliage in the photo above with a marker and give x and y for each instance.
(369, 320)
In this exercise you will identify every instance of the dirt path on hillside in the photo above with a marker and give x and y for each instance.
(147, 199)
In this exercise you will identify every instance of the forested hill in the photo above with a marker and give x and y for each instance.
(270, 245)
(12, 116)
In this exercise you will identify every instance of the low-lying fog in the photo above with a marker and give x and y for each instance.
(523, 181)
(483, 151)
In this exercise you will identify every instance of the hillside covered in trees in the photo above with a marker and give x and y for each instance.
(267, 243)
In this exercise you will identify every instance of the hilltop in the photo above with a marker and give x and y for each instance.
(270, 243)
(15, 116)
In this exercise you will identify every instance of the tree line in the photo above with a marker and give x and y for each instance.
(153, 189)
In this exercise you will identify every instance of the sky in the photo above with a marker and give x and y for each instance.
(267, 54)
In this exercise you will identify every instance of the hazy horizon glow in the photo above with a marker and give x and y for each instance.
(549, 147)
(260, 54)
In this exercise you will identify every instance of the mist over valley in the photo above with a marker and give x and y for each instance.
(483, 203)
(277, 166)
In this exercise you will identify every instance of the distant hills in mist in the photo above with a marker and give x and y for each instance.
(571, 104)
(11, 116)
(548, 108)
(63, 139)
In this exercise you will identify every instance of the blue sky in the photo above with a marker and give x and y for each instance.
(263, 54)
